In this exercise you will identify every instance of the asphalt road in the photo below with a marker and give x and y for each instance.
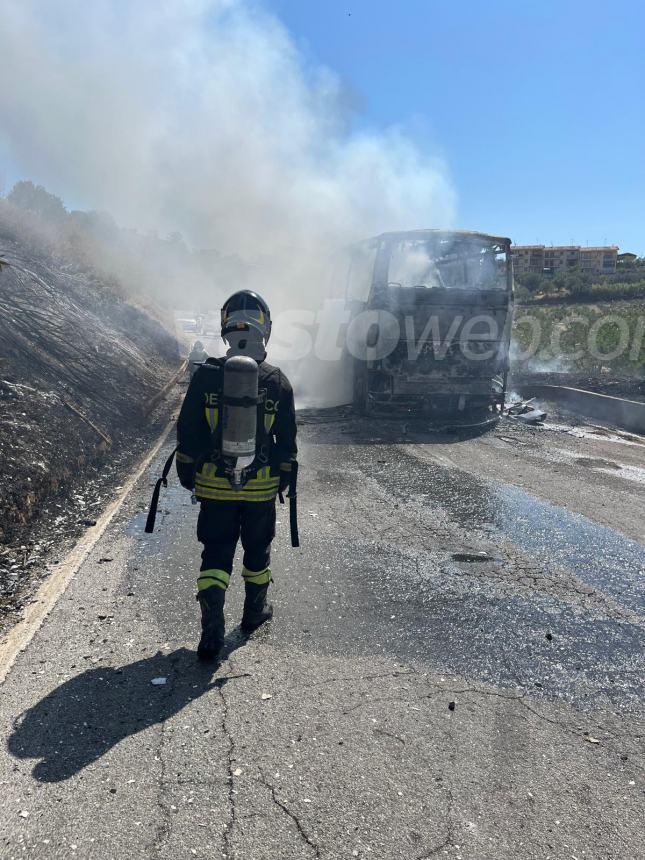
(411, 699)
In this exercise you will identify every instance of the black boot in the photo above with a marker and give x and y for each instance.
(211, 601)
(256, 608)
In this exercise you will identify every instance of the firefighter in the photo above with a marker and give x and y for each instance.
(236, 502)
(197, 356)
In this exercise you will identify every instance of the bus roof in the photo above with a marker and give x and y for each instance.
(421, 234)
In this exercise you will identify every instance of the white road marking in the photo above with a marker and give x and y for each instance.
(60, 575)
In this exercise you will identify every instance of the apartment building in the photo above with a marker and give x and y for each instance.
(560, 258)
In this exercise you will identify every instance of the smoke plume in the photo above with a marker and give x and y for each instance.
(201, 116)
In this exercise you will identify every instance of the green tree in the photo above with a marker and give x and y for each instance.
(577, 283)
(34, 198)
(100, 225)
(555, 284)
(532, 281)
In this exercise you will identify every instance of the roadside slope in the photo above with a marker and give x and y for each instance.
(78, 364)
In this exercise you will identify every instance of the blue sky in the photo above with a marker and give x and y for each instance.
(537, 108)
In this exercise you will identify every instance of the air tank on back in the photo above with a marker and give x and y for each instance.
(239, 420)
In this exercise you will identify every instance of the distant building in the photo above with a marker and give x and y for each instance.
(627, 257)
(559, 258)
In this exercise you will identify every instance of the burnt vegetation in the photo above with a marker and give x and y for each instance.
(82, 353)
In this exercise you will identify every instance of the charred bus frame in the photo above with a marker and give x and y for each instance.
(433, 335)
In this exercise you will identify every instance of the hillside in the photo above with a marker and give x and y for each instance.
(78, 364)
(602, 338)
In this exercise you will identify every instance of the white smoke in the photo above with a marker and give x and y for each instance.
(201, 116)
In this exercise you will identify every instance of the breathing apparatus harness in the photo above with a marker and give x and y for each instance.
(239, 441)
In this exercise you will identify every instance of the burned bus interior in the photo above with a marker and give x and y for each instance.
(431, 314)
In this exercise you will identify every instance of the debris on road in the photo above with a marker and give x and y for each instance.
(267, 696)
(524, 411)
(511, 441)
(158, 682)
(472, 556)
(533, 416)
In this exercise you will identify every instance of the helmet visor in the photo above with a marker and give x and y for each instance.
(243, 311)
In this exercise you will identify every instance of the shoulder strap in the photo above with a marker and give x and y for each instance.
(154, 502)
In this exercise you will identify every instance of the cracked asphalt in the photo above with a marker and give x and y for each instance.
(455, 668)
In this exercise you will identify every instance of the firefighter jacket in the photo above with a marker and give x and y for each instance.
(195, 358)
(199, 465)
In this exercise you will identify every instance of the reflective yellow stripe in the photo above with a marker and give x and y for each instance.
(212, 482)
(212, 416)
(261, 578)
(209, 485)
(269, 488)
(208, 578)
(220, 496)
(208, 470)
(184, 458)
(223, 483)
(205, 475)
(268, 422)
(285, 467)
(233, 495)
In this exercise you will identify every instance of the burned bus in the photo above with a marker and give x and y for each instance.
(430, 316)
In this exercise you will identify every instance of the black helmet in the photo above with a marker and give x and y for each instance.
(246, 310)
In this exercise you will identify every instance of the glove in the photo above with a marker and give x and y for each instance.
(186, 474)
(284, 481)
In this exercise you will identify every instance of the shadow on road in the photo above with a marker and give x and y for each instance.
(341, 426)
(86, 716)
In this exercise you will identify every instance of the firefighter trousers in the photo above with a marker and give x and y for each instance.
(219, 527)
